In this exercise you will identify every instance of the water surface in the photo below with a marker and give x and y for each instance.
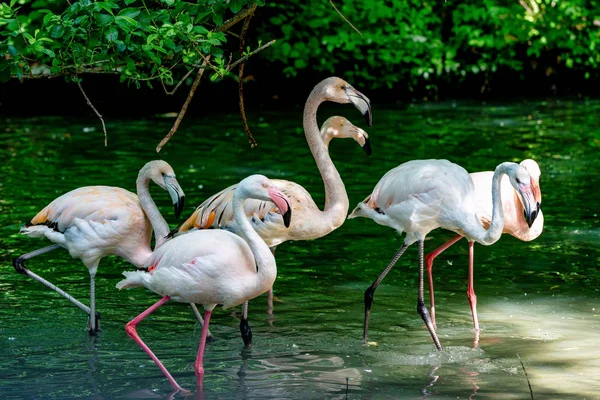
(536, 300)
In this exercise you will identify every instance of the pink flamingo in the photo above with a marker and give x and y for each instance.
(96, 221)
(421, 195)
(309, 221)
(211, 267)
(515, 224)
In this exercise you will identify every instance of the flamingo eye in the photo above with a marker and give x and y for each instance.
(518, 181)
(265, 185)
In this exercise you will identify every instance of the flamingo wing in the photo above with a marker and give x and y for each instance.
(216, 212)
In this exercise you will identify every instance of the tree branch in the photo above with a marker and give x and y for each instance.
(225, 26)
(179, 84)
(96, 111)
(184, 107)
(237, 18)
(241, 82)
(345, 19)
(241, 60)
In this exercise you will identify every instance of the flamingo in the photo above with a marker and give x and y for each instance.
(421, 195)
(514, 224)
(309, 221)
(211, 267)
(92, 222)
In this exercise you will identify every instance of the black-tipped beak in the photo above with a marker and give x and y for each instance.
(287, 217)
(367, 146)
(178, 205)
(532, 215)
(362, 103)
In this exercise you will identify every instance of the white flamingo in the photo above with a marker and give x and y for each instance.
(211, 267)
(92, 222)
(515, 224)
(309, 221)
(421, 195)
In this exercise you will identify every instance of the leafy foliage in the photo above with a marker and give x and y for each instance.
(424, 43)
(141, 40)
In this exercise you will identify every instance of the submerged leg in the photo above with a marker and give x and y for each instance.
(371, 290)
(210, 336)
(198, 367)
(130, 328)
(270, 294)
(471, 293)
(94, 316)
(20, 267)
(244, 327)
(270, 301)
(421, 307)
(429, 265)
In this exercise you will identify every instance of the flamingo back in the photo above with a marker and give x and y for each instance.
(203, 267)
(217, 213)
(94, 221)
(418, 196)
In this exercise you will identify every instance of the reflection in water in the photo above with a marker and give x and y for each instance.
(536, 299)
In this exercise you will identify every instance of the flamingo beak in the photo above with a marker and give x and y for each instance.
(530, 206)
(176, 194)
(361, 102)
(283, 204)
(362, 138)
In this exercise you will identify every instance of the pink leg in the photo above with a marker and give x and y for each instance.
(471, 292)
(198, 367)
(429, 265)
(131, 331)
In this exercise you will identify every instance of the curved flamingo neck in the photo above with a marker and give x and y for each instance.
(472, 227)
(265, 261)
(336, 198)
(159, 225)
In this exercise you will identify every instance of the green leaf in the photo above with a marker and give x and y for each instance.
(217, 19)
(57, 31)
(48, 52)
(128, 2)
(12, 51)
(129, 12)
(104, 19)
(111, 34)
(235, 6)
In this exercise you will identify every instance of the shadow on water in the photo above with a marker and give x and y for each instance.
(537, 300)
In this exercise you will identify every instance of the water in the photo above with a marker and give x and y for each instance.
(537, 300)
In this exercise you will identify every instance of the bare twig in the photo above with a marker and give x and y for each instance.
(241, 60)
(237, 18)
(345, 19)
(241, 83)
(179, 84)
(526, 7)
(96, 111)
(526, 376)
(183, 108)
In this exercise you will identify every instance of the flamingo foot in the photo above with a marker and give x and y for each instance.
(19, 264)
(246, 333)
(93, 332)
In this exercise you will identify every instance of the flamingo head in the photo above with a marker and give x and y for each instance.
(163, 175)
(261, 188)
(521, 180)
(534, 170)
(339, 91)
(340, 127)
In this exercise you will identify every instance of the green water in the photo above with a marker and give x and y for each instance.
(537, 300)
